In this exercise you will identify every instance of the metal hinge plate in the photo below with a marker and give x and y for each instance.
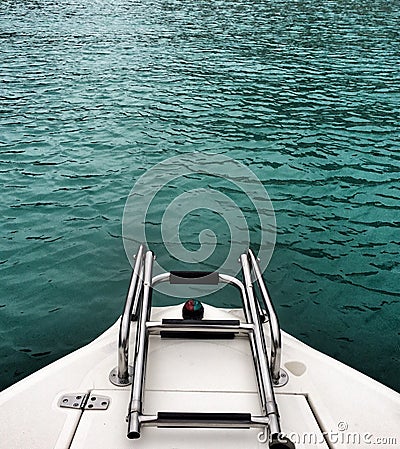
(84, 401)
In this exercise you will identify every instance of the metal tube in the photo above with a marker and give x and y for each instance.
(155, 421)
(276, 343)
(271, 408)
(158, 326)
(121, 376)
(136, 302)
(247, 314)
(163, 277)
(139, 364)
(227, 279)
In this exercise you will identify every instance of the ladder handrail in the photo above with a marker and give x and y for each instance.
(275, 330)
(265, 382)
(140, 356)
(121, 375)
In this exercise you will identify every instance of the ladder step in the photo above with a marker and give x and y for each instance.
(208, 420)
(194, 277)
(177, 322)
(196, 419)
(210, 329)
(196, 335)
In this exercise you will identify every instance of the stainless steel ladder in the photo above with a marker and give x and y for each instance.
(268, 374)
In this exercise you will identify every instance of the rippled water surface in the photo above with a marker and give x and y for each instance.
(304, 93)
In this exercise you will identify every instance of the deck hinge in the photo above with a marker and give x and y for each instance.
(84, 401)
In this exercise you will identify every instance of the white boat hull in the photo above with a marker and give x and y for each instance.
(325, 404)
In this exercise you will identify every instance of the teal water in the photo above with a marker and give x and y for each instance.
(304, 93)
